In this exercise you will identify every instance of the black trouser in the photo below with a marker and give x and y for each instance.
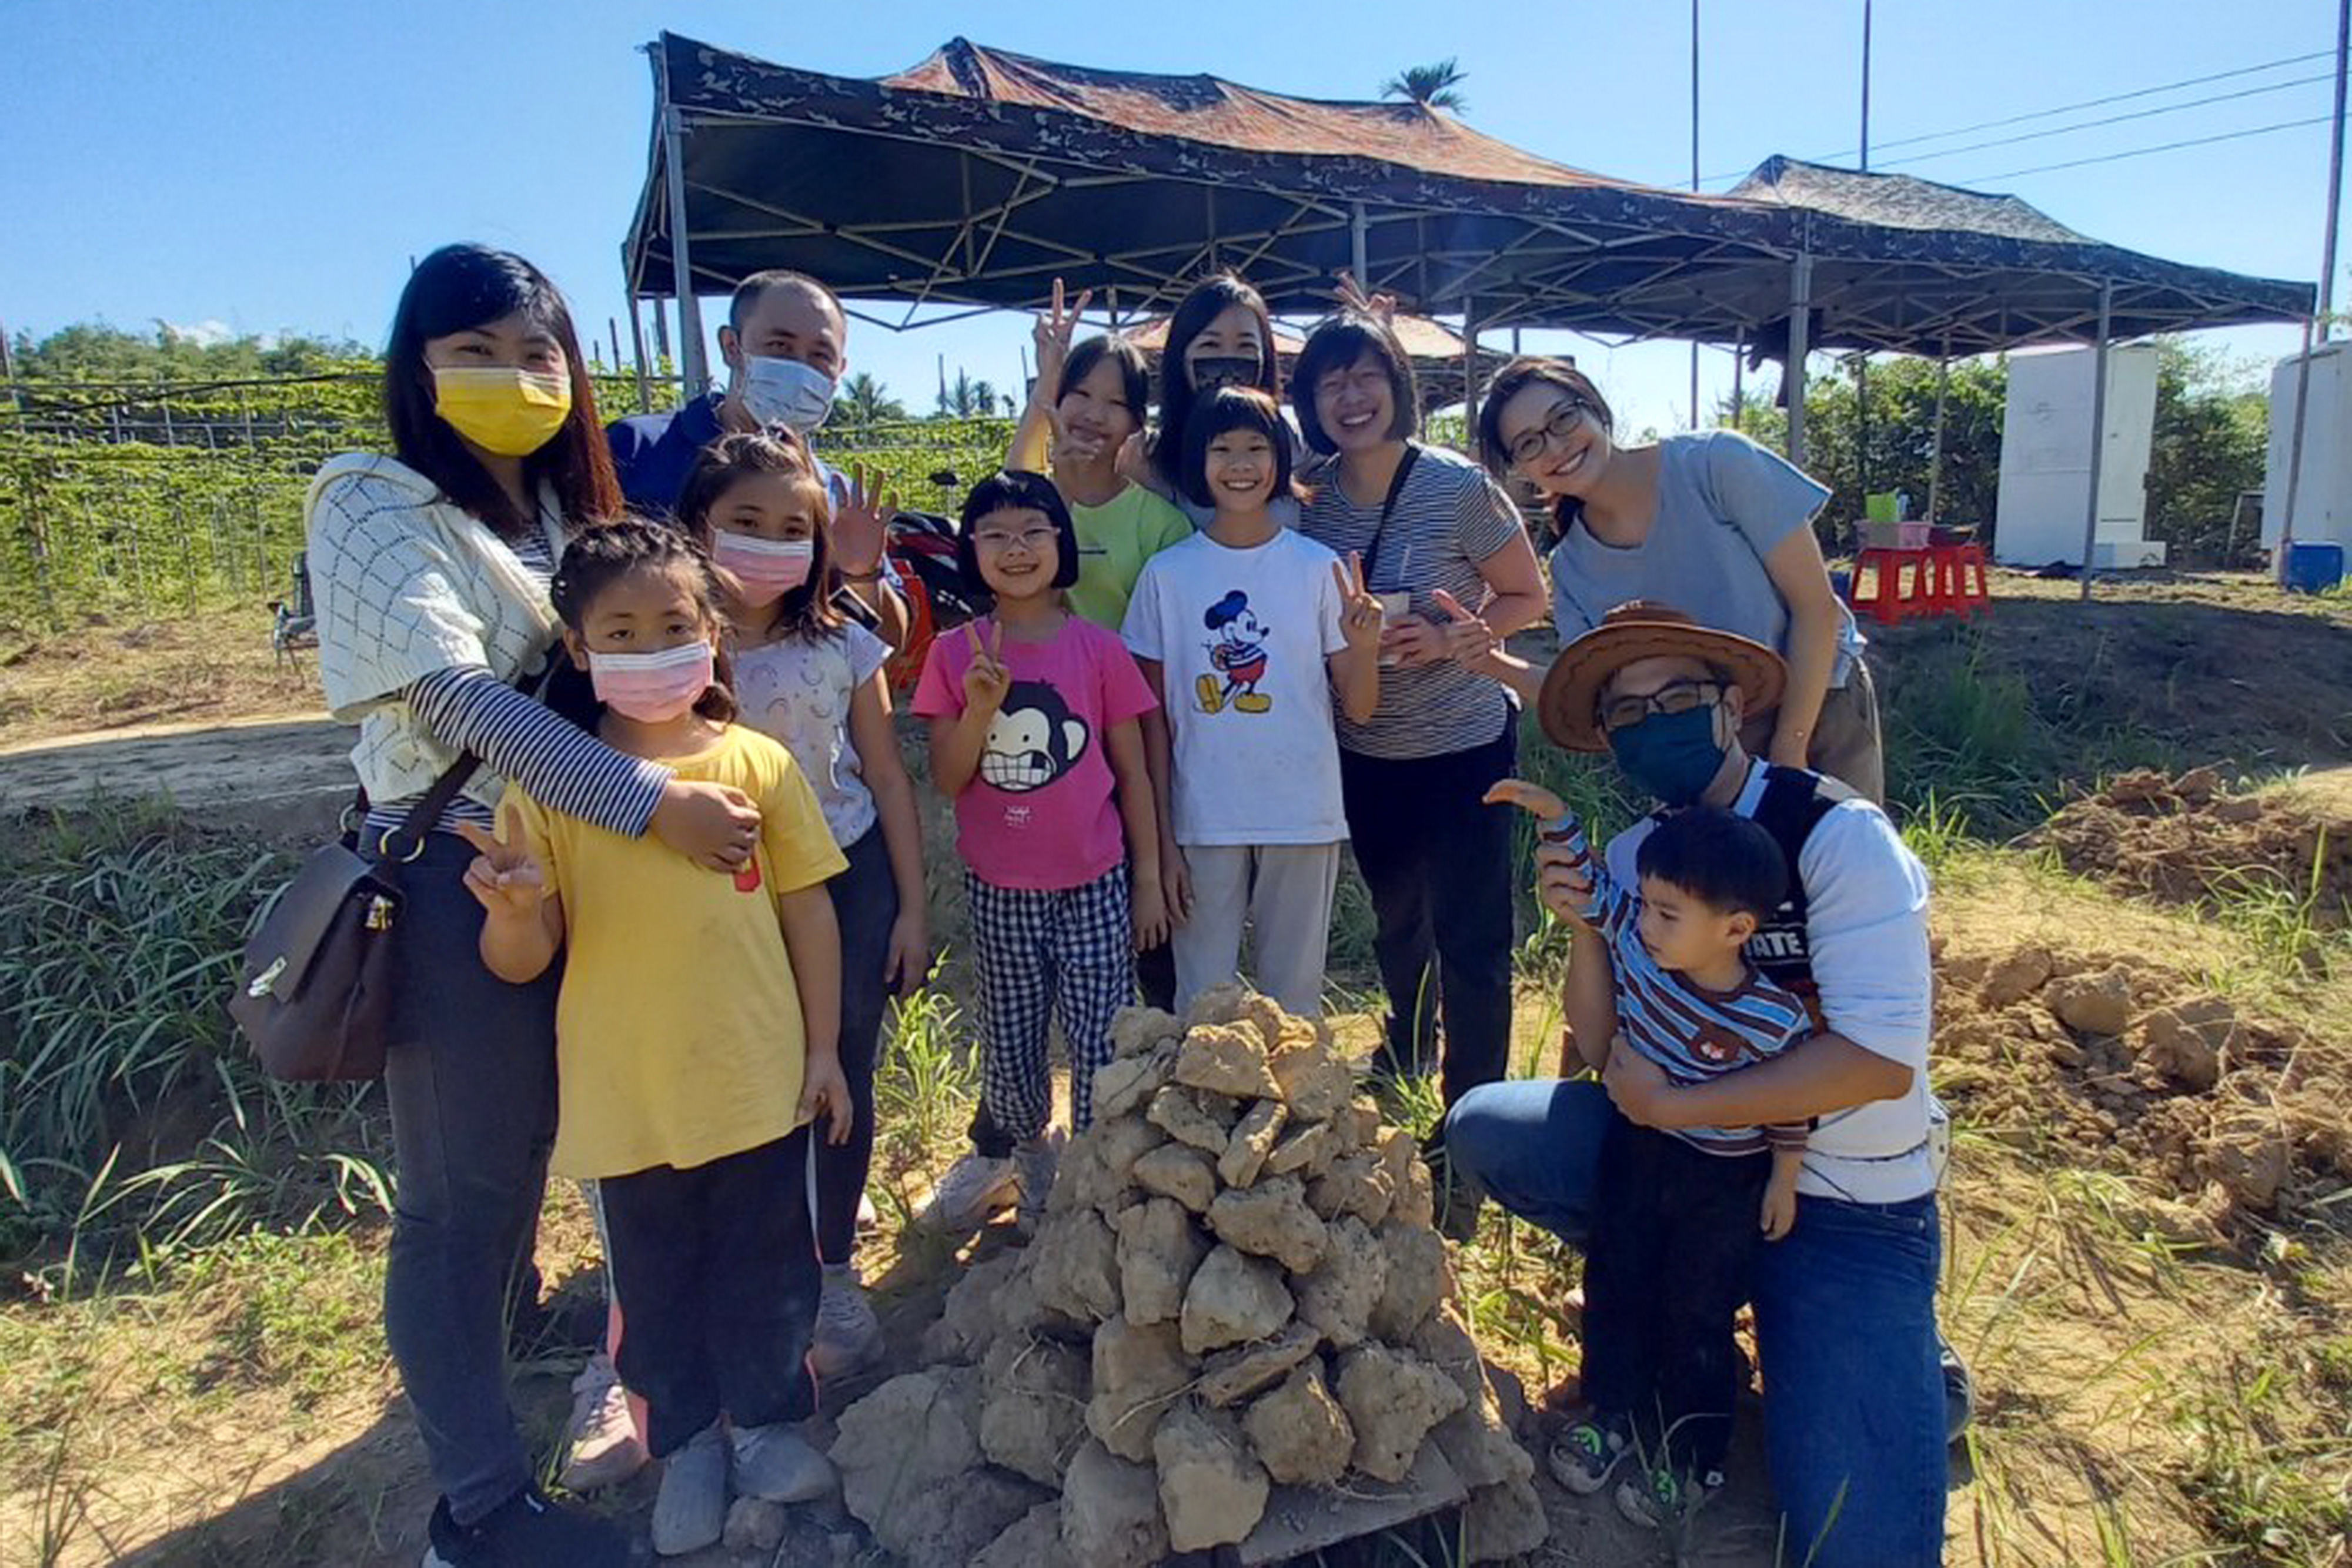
(1437, 862)
(865, 906)
(1673, 1248)
(716, 1272)
(470, 1075)
(1155, 976)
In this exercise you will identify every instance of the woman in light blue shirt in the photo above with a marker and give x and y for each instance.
(1709, 523)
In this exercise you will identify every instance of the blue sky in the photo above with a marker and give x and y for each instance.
(265, 164)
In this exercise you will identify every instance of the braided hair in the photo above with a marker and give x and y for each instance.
(598, 558)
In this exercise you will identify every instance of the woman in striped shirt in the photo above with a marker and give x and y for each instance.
(430, 567)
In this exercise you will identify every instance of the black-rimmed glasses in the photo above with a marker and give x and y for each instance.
(1558, 426)
(1679, 697)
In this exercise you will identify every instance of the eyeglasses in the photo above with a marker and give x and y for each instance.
(1680, 696)
(1031, 540)
(1558, 426)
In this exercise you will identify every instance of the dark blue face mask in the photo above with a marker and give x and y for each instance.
(1674, 756)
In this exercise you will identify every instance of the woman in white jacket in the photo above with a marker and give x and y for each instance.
(431, 568)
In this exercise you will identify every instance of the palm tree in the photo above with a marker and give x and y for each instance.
(967, 398)
(864, 401)
(1432, 87)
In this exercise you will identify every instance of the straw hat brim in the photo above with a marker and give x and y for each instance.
(1574, 684)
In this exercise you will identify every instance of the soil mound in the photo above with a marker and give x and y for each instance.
(2131, 1066)
(2185, 839)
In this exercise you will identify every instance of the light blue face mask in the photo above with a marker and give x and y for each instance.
(1674, 756)
(787, 392)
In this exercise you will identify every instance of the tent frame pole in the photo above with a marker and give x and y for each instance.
(1360, 244)
(1739, 379)
(692, 363)
(637, 337)
(1936, 446)
(1469, 371)
(2098, 434)
(1800, 306)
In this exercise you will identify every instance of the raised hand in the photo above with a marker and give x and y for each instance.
(504, 877)
(1134, 463)
(986, 679)
(861, 524)
(1359, 609)
(1350, 295)
(1463, 636)
(1051, 334)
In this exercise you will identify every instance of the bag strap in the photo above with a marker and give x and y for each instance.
(435, 800)
(1388, 506)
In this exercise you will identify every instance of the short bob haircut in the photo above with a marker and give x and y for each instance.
(1134, 372)
(1337, 345)
(1727, 862)
(1210, 299)
(1017, 490)
(461, 286)
(1230, 409)
(807, 611)
(1517, 377)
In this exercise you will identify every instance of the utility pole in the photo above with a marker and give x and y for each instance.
(1865, 86)
(1696, 421)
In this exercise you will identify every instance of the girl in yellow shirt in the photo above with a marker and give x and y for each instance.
(695, 1036)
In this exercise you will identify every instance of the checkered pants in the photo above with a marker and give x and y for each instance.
(1066, 953)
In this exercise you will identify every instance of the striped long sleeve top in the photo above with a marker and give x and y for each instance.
(1693, 1034)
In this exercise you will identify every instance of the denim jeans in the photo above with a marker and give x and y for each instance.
(470, 1075)
(1846, 1322)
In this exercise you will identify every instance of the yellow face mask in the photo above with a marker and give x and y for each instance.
(499, 409)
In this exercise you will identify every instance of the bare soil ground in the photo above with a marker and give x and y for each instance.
(104, 676)
(2148, 1262)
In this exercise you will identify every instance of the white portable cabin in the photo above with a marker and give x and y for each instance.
(2045, 459)
(2323, 500)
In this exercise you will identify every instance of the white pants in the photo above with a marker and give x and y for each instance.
(1282, 893)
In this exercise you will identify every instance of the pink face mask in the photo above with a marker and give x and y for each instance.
(652, 688)
(768, 569)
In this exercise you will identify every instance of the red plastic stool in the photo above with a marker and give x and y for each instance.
(1959, 579)
(1886, 602)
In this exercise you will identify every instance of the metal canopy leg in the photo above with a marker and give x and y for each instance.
(2098, 430)
(1801, 310)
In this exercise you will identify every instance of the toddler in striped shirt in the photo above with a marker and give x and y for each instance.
(1659, 970)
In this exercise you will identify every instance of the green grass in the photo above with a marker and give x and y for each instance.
(133, 1122)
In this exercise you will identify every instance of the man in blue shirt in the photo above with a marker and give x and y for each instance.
(784, 348)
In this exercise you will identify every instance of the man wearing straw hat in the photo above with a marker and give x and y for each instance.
(1855, 1405)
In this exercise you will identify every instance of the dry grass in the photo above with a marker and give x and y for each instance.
(105, 676)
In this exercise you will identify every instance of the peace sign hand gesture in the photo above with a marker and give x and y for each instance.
(986, 679)
(861, 524)
(1072, 447)
(1380, 307)
(504, 878)
(1359, 609)
(1051, 333)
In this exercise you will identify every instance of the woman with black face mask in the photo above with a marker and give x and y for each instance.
(1220, 335)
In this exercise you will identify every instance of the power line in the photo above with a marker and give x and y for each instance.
(2145, 152)
(2114, 119)
(2060, 109)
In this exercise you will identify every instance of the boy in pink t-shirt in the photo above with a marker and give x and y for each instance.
(1035, 735)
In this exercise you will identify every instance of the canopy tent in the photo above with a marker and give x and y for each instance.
(1435, 350)
(978, 177)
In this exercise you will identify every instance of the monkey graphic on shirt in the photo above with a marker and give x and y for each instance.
(1237, 655)
(1033, 739)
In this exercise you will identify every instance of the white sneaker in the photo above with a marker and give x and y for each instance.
(778, 1465)
(602, 1447)
(690, 1510)
(1035, 1163)
(849, 1335)
(974, 1189)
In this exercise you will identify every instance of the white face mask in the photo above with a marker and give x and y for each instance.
(787, 392)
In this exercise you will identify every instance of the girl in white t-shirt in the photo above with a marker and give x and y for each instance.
(812, 678)
(1244, 631)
